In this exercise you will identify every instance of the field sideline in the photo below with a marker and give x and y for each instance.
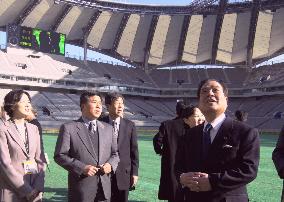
(267, 186)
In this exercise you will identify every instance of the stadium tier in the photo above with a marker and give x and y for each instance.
(149, 37)
(238, 33)
(56, 106)
(155, 56)
(152, 111)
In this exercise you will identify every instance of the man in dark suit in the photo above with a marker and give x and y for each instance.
(165, 144)
(219, 158)
(126, 175)
(87, 149)
(278, 158)
(158, 139)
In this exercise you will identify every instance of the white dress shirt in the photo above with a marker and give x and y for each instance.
(216, 124)
(117, 121)
(87, 122)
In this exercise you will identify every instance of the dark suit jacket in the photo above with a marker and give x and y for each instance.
(74, 151)
(232, 161)
(165, 143)
(278, 158)
(128, 153)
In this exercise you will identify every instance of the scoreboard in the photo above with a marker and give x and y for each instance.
(36, 39)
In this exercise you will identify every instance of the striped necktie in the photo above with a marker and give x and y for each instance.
(92, 127)
(94, 136)
(115, 128)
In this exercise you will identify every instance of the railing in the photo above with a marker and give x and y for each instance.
(272, 62)
(98, 60)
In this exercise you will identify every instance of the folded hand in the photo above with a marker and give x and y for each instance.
(90, 170)
(105, 168)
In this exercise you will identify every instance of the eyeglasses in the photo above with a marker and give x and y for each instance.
(214, 90)
(198, 116)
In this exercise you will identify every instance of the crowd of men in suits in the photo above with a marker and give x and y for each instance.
(205, 155)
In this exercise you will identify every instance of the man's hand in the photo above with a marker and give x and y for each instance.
(203, 182)
(196, 181)
(134, 180)
(105, 168)
(186, 179)
(90, 170)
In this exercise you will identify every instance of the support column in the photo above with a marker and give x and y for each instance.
(252, 30)
(218, 28)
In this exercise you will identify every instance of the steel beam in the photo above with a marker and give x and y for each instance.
(252, 29)
(218, 28)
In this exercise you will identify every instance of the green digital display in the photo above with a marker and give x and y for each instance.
(43, 41)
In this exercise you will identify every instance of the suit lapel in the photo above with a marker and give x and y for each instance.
(194, 139)
(16, 136)
(199, 139)
(221, 136)
(83, 134)
(102, 138)
(121, 132)
(31, 134)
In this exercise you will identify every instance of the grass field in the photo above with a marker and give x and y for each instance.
(266, 188)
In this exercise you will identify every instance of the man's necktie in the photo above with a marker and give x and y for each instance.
(115, 128)
(92, 127)
(94, 136)
(206, 140)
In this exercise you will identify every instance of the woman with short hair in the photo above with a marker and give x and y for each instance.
(21, 155)
(192, 116)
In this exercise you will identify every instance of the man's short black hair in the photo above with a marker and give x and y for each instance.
(111, 97)
(84, 98)
(180, 107)
(12, 98)
(241, 115)
(224, 86)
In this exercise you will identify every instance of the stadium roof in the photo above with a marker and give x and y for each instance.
(152, 2)
(161, 2)
(153, 36)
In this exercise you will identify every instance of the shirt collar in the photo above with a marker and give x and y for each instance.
(88, 121)
(216, 123)
(117, 120)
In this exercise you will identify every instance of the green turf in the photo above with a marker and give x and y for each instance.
(266, 188)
